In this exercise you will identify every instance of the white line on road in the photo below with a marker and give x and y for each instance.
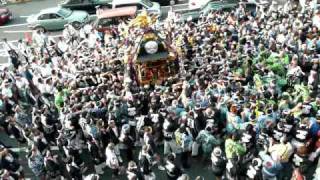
(13, 25)
(22, 31)
(19, 149)
(14, 41)
(176, 5)
(24, 16)
(4, 53)
(25, 149)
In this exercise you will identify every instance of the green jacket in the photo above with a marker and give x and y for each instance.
(207, 141)
(234, 148)
(60, 97)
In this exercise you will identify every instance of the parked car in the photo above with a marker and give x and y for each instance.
(194, 14)
(151, 7)
(165, 2)
(218, 6)
(197, 4)
(55, 18)
(111, 17)
(5, 15)
(85, 5)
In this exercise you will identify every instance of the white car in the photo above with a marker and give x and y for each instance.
(197, 4)
(151, 7)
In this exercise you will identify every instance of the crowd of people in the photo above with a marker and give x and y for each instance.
(245, 103)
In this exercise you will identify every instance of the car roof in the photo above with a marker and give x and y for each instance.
(50, 10)
(219, 5)
(125, 1)
(123, 11)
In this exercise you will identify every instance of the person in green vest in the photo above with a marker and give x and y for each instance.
(316, 104)
(207, 141)
(60, 97)
(233, 147)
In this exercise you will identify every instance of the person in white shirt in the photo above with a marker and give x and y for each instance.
(8, 45)
(62, 45)
(316, 19)
(92, 39)
(37, 38)
(23, 49)
(87, 29)
(112, 160)
(303, 5)
(92, 177)
(21, 82)
(294, 69)
(70, 34)
(6, 90)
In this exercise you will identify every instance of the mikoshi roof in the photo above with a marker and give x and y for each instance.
(142, 54)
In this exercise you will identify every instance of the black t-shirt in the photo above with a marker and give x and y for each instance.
(145, 165)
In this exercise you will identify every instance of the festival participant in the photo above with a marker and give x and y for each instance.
(9, 164)
(184, 139)
(51, 164)
(247, 80)
(146, 162)
(133, 172)
(36, 163)
(112, 160)
(218, 162)
(172, 169)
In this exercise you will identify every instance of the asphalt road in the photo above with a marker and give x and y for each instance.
(16, 29)
(13, 30)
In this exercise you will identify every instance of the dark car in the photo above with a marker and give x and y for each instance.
(165, 2)
(194, 14)
(85, 5)
(5, 15)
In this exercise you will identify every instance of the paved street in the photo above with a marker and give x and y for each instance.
(16, 29)
(12, 29)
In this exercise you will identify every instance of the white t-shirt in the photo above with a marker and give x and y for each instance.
(316, 21)
(63, 46)
(22, 83)
(92, 40)
(46, 70)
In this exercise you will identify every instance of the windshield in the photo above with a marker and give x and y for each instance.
(64, 12)
(147, 3)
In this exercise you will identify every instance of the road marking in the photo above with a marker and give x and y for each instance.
(25, 149)
(54, 148)
(19, 149)
(13, 25)
(22, 31)
(15, 41)
(176, 5)
(4, 53)
(24, 16)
